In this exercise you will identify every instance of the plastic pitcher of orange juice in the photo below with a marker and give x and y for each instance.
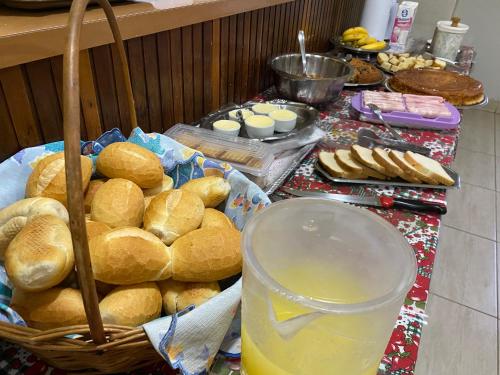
(323, 283)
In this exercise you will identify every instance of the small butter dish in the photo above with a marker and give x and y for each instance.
(244, 112)
(284, 120)
(228, 127)
(264, 108)
(259, 126)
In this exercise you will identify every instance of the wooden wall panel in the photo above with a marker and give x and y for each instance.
(177, 76)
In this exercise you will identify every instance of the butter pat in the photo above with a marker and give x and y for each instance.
(284, 119)
(244, 112)
(228, 127)
(259, 126)
(264, 108)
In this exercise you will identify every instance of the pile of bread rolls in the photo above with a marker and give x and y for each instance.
(151, 246)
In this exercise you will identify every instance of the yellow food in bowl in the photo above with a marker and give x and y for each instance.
(264, 108)
(283, 115)
(259, 121)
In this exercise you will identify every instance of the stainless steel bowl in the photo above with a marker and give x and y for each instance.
(324, 82)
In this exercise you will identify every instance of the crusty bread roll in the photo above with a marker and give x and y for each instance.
(94, 185)
(131, 305)
(212, 190)
(95, 228)
(178, 295)
(41, 255)
(14, 217)
(172, 214)
(118, 203)
(52, 308)
(215, 219)
(129, 255)
(206, 254)
(130, 161)
(166, 184)
(48, 178)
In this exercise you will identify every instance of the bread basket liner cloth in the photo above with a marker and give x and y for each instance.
(190, 340)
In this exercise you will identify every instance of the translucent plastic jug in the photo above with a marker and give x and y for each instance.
(323, 283)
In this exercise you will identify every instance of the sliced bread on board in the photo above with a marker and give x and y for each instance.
(429, 167)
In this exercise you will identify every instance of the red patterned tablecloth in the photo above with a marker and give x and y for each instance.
(421, 231)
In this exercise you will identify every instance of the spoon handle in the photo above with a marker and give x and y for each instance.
(394, 133)
(302, 44)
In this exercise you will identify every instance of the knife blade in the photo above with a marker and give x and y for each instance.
(375, 201)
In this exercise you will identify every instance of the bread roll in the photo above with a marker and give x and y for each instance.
(131, 305)
(118, 203)
(95, 228)
(48, 178)
(212, 190)
(129, 255)
(215, 219)
(166, 184)
(94, 185)
(130, 161)
(172, 214)
(14, 217)
(52, 308)
(41, 255)
(178, 295)
(206, 254)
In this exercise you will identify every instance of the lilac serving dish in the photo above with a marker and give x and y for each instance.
(406, 119)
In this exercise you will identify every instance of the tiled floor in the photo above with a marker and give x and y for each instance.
(463, 333)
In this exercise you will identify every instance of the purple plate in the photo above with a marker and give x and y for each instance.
(407, 119)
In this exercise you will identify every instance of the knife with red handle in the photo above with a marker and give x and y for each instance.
(376, 201)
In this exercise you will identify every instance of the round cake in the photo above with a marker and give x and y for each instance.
(455, 88)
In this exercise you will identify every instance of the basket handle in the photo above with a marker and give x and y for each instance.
(71, 119)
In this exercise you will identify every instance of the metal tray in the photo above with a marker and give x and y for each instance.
(337, 41)
(485, 101)
(306, 115)
(400, 183)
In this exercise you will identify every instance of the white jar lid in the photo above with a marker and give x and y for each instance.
(445, 26)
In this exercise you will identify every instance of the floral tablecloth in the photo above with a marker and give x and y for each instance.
(421, 231)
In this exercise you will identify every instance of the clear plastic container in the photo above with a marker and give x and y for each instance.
(323, 283)
(246, 155)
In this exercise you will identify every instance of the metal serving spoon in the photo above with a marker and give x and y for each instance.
(302, 44)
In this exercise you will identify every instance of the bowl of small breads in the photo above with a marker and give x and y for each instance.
(158, 243)
(395, 62)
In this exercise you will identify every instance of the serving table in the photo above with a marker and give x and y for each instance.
(421, 231)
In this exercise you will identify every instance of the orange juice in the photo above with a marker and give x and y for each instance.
(328, 344)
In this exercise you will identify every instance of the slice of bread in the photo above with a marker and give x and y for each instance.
(382, 157)
(365, 157)
(429, 167)
(399, 158)
(345, 160)
(329, 163)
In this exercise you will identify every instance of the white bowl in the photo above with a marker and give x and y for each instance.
(228, 127)
(259, 126)
(284, 120)
(264, 108)
(245, 113)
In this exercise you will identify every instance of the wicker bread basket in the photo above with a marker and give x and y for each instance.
(100, 348)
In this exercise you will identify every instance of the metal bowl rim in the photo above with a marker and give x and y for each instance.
(301, 78)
